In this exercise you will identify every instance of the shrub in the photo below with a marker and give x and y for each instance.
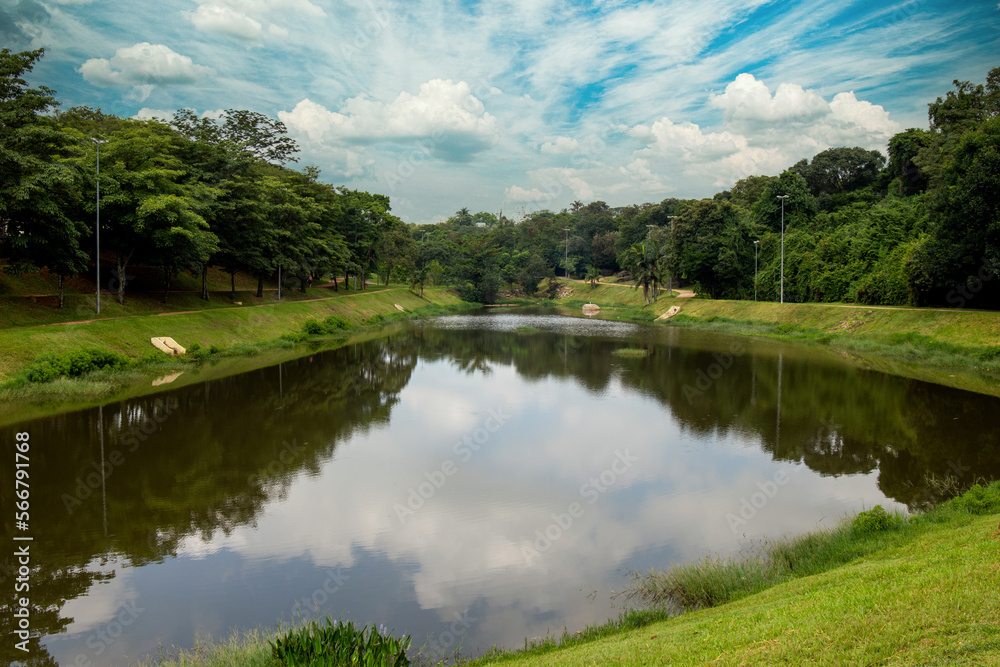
(314, 328)
(979, 500)
(335, 322)
(875, 520)
(50, 365)
(337, 644)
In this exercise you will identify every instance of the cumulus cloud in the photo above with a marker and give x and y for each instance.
(143, 64)
(747, 99)
(749, 107)
(444, 115)
(762, 132)
(518, 194)
(226, 21)
(561, 146)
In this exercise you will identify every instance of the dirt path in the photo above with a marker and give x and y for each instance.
(681, 293)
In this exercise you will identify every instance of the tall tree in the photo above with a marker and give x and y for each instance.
(38, 189)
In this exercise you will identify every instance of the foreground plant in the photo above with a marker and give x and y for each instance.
(338, 644)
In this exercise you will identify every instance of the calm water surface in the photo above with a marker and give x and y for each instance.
(462, 480)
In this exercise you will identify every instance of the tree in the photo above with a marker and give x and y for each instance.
(418, 278)
(967, 106)
(799, 208)
(476, 270)
(39, 191)
(143, 188)
(838, 170)
(644, 262)
(710, 241)
(249, 134)
(904, 148)
(593, 275)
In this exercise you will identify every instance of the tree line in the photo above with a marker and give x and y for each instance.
(189, 193)
(921, 228)
(179, 194)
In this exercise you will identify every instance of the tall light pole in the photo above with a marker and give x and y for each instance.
(670, 275)
(97, 257)
(756, 249)
(566, 260)
(782, 198)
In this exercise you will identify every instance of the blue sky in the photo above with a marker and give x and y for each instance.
(522, 104)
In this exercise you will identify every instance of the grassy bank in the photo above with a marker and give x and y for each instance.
(231, 339)
(875, 590)
(954, 347)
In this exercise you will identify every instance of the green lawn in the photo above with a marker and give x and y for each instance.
(933, 601)
(928, 596)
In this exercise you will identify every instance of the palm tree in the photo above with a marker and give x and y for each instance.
(593, 275)
(645, 261)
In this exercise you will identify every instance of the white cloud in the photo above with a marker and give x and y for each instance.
(226, 21)
(747, 99)
(561, 146)
(143, 64)
(452, 123)
(146, 113)
(763, 133)
(251, 20)
(518, 195)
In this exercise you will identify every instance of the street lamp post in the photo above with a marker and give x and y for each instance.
(97, 257)
(670, 275)
(566, 260)
(782, 198)
(756, 249)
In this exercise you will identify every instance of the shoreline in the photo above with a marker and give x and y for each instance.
(930, 577)
(959, 349)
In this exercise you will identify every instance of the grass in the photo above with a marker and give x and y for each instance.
(231, 340)
(630, 353)
(918, 591)
(879, 589)
(953, 347)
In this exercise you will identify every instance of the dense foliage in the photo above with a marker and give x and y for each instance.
(188, 193)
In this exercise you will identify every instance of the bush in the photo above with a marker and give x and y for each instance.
(314, 328)
(979, 500)
(337, 644)
(875, 520)
(336, 322)
(50, 365)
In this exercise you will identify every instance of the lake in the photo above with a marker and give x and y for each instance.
(475, 480)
